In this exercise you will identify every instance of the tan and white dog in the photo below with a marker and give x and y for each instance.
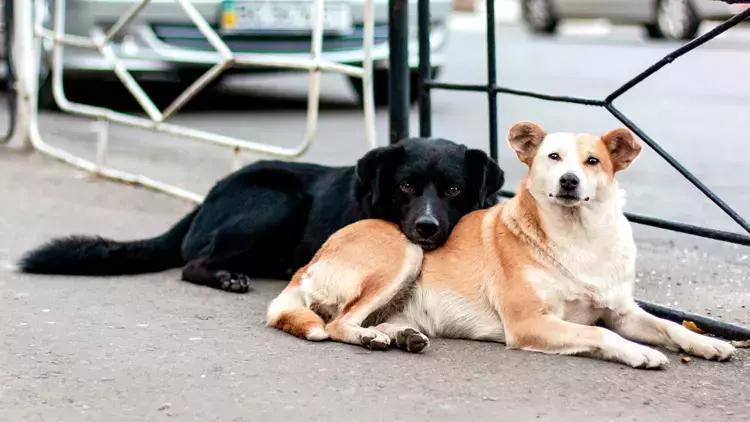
(536, 273)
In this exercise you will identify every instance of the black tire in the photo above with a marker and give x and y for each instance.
(652, 31)
(45, 98)
(380, 86)
(539, 16)
(677, 19)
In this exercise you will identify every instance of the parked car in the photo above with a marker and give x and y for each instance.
(672, 19)
(162, 42)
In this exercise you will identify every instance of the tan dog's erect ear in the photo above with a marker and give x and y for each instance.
(524, 138)
(622, 146)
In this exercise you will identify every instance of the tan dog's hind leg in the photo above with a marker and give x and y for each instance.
(549, 334)
(636, 324)
(347, 282)
(376, 294)
(288, 312)
(376, 290)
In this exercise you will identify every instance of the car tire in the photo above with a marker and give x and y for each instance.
(676, 19)
(653, 32)
(539, 16)
(45, 99)
(380, 86)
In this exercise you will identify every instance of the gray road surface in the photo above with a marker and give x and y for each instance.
(154, 348)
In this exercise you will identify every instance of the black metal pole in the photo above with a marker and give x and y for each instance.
(425, 69)
(694, 180)
(398, 69)
(10, 77)
(709, 325)
(492, 77)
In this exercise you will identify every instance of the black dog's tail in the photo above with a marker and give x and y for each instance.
(93, 255)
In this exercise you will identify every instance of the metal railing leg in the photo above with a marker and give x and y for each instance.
(398, 69)
(25, 69)
(425, 70)
(492, 78)
(7, 16)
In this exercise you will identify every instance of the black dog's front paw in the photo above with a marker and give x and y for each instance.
(233, 282)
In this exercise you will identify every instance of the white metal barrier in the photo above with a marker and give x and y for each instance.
(27, 40)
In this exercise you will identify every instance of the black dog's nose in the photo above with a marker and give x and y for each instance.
(427, 226)
(569, 181)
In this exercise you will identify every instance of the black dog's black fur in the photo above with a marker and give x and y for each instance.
(269, 218)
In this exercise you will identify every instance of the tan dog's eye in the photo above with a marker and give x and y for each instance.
(453, 190)
(406, 187)
(554, 156)
(592, 161)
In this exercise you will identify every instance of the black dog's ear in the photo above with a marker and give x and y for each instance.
(485, 177)
(373, 173)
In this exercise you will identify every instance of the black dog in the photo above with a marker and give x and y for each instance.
(269, 218)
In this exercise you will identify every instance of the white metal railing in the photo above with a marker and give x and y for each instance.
(29, 32)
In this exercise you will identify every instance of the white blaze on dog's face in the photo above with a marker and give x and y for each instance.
(571, 169)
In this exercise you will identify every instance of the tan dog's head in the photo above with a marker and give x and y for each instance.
(571, 169)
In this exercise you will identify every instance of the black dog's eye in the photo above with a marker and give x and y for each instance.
(592, 161)
(406, 187)
(554, 156)
(453, 190)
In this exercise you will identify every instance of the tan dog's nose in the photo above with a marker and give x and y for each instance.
(569, 181)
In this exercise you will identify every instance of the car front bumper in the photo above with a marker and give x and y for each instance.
(163, 40)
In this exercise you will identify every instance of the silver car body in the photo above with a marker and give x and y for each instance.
(634, 11)
(162, 38)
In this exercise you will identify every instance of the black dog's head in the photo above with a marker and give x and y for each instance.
(426, 186)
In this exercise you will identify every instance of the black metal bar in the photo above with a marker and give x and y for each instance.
(709, 325)
(10, 76)
(722, 235)
(512, 91)
(492, 77)
(690, 229)
(398, 69)
(669, 58)
(457, 87)
(547, 97)
(680, 168)
(425, 69)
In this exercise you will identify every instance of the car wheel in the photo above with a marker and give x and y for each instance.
(539, 16)
(45, 99)
(677, 19)
(653, 32)
(380, 86)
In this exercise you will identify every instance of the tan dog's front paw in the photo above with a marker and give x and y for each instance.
(643, 357)
(709, 348)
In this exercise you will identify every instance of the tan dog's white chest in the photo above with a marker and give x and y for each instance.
(589, 272)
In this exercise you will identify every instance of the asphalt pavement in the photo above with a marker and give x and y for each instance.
(151, 347)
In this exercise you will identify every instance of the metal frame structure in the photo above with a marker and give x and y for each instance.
(399, 125)
(29, 32)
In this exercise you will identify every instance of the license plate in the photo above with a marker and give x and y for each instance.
(283, 16)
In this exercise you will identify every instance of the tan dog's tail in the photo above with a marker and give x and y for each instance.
(288, 313)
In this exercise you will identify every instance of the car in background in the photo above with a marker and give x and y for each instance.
(163, 43)
(671, 19)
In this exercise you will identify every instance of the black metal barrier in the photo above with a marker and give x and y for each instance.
(10, 88)
(399, 123)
